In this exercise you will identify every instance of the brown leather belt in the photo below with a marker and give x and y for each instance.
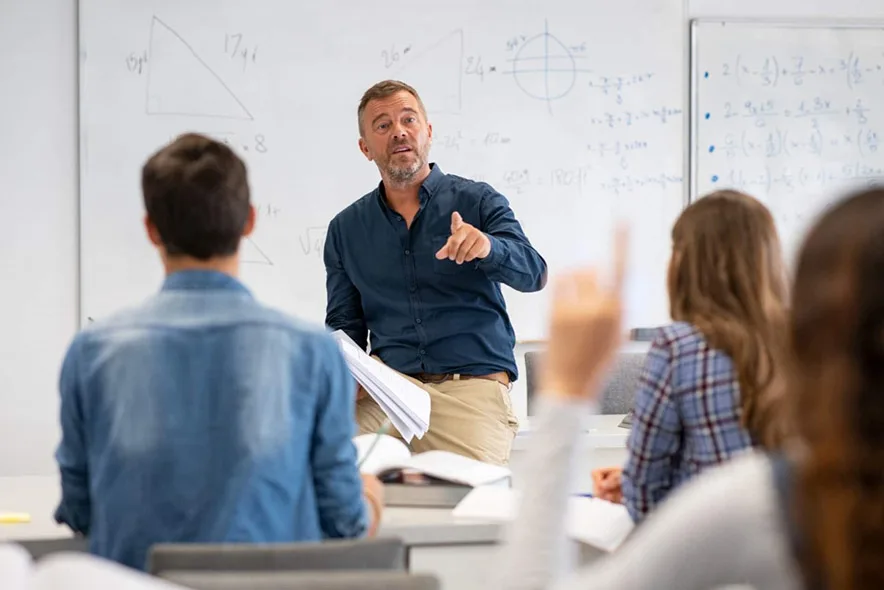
(501, 377)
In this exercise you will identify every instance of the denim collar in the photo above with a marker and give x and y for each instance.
(202, 280)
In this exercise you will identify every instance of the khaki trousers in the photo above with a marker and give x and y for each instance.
(470, 417)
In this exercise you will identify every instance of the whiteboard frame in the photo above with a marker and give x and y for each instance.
(81, 57)
(774, 23)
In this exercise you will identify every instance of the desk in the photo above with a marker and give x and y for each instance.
(602, 444)
(460, 552)
(38, 496)
(457, 551)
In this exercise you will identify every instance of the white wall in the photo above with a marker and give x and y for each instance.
(38, 224)
(38, 205)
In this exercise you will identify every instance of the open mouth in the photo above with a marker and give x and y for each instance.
(401, 149)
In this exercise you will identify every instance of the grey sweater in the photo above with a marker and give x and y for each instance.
(724, 528)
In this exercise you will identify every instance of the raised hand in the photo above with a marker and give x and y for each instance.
(585, 329)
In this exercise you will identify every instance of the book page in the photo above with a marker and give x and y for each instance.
(388, 453)
(457, 468)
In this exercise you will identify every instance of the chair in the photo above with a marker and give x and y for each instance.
(306, 580)
(40, 548)
(619, 392)
(380, 553)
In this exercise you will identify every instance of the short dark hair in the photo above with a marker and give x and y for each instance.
(196, 193)
(384, 89)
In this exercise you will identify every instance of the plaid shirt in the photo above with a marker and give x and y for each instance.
(686, 417)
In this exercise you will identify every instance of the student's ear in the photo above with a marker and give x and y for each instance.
(250, 222)
(153, 234)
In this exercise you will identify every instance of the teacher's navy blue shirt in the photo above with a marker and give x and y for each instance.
(424, 314)
(203, 416)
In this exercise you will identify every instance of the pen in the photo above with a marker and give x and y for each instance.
(382, 430)
(14, 517)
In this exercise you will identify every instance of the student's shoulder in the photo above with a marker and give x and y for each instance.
(679, 337)
(300, 329)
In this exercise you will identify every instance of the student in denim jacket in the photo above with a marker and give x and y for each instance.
(202, 415)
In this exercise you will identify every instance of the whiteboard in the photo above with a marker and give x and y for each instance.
(788, 113)
(562, 106)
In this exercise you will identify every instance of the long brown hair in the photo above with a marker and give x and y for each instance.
(836, 388)
(727, 278)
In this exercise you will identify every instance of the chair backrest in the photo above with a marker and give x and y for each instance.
(619, 392)
(306, 580)
(380, 553)
(40, 548)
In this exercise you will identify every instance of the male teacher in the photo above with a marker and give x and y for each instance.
(418, 263)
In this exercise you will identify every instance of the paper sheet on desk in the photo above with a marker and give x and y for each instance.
(405, 404)
(595, 522)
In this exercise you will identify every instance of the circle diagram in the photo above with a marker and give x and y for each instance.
(544, 68)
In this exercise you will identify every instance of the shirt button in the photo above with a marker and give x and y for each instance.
(418, 320)
(407, 252)
(423, 352)
(412, 288)
(398, 218)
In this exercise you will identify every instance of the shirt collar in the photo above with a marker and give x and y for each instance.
(203, 280)
(428, 187)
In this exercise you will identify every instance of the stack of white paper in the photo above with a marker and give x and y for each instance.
(405, 404)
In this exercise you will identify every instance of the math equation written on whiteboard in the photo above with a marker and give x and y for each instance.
(786, 126)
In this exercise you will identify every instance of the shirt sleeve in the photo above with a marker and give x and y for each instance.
(343, 302)
(655, 437)
(71, 455)
(336, 479)
(513, 261)
(690, 543)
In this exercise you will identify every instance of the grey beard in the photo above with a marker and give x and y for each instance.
(403, 175)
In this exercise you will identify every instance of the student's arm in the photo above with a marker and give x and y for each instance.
(75, 508)
(655, 437)
(513, 261)
(720, 529)
(343, 508)
(343, 302)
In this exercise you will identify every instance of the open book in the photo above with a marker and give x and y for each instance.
(405, 404)
(70, 571)
(390, 456)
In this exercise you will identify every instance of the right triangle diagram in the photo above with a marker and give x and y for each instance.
(250, 253)
(436, 73)
(179, 82)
